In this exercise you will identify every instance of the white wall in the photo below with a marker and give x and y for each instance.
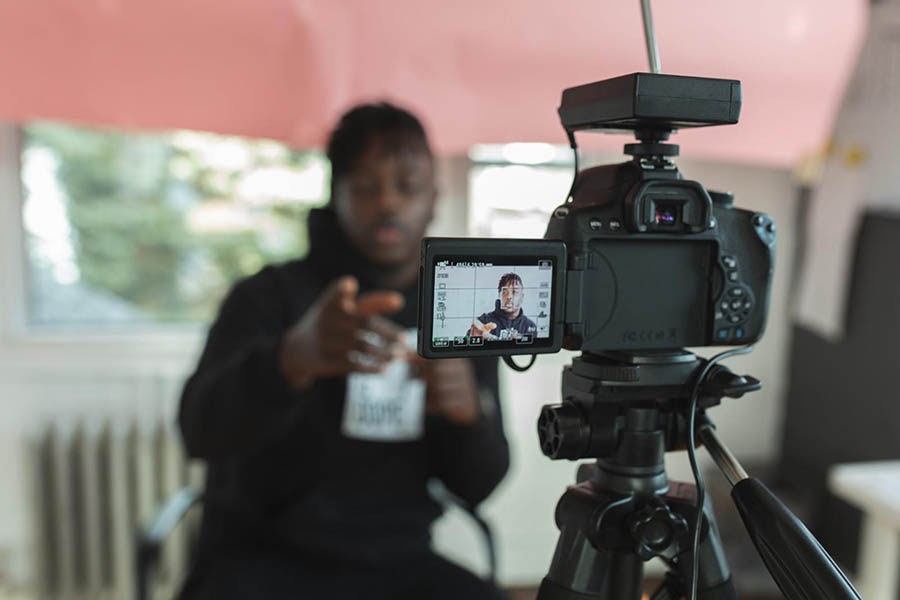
(71, 378)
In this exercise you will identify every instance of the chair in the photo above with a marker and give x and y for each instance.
(150, 542)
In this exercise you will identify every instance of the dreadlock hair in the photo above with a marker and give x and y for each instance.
(509, 279)
(362, 124)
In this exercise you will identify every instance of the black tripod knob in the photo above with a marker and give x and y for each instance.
(655, 529)
(563, 432)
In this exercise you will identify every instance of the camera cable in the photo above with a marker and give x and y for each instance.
(692, 456)
(516, 367)
(574, 146)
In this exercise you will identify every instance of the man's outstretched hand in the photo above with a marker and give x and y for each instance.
(483, 330)
(342, 332)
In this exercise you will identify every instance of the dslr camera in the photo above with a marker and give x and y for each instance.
(638, 259)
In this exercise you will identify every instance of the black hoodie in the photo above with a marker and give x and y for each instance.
(281, 476)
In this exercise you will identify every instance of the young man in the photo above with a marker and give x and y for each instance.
(506, 321)
(319, 426)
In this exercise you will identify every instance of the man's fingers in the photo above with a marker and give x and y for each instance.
(342, 293)
(392, 334)
(379, 303)
(483, 327)
(363, 362)
(373, 345)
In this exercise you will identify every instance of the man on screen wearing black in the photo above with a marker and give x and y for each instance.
(319, 427)
(506, 321)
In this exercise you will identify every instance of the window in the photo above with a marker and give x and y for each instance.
(134, 229)
(515, 187)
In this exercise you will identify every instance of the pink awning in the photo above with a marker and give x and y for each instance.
(477, 70)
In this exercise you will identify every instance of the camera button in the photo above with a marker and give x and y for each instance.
(729, 262)
(736, 304)
(723, 333)
(736, 292)
(615, 225)
(596, 224)
(734, 318)
(733, 276)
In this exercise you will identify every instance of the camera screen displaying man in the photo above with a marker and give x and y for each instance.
(500, 303)
(507, 321)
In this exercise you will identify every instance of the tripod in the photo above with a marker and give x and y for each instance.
(626, 410)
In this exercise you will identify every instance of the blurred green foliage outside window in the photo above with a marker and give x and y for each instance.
(124, 230)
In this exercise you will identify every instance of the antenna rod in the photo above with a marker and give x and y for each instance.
(650, 36)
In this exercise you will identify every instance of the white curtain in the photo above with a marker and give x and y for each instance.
(861, 171)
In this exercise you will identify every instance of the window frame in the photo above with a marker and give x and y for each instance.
(24, 346)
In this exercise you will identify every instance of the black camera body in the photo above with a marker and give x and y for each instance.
(657, 262)
(639, 259)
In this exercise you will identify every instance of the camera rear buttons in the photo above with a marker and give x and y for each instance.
(596, 224)
(735, 304)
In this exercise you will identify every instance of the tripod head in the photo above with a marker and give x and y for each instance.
(604, 394)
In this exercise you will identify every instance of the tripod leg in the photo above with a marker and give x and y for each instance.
(581, 572)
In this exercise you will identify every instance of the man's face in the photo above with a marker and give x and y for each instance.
(511, 296)
(385, 204)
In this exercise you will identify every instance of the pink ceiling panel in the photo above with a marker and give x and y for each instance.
(478, 71)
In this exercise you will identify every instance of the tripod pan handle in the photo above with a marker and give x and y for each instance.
(798, 563)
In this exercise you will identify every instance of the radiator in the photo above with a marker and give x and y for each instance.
(93, 488)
